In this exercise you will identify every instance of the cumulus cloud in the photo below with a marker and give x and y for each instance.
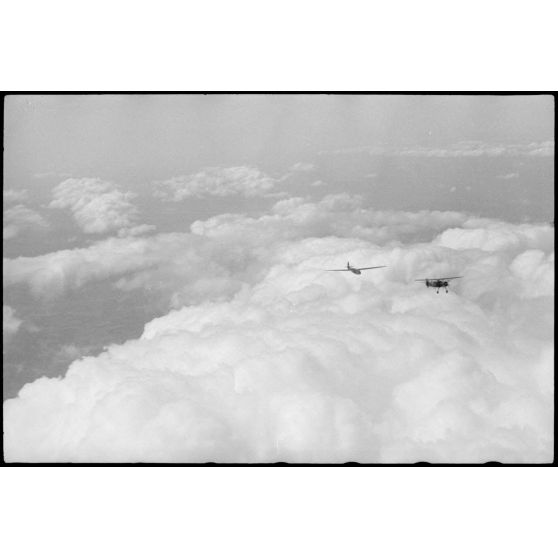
(97, 206)
(220, 254)
(335, 215)
(487, 235)
(223, 254)
(20, 218)
(170, 262)
(11, 195)
(232, 181)
(10, 324)
(51, 274)
(274, 359)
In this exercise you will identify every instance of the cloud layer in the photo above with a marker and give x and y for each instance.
(273, 359)
(473, 148)
(222, 253)
(244, 181)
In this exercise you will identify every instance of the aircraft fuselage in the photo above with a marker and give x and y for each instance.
(437, 284)
(355, 271)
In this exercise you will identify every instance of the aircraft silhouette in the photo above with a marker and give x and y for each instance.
(356, 270)
(439, 282)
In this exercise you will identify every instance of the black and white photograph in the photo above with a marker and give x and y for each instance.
(278, 278)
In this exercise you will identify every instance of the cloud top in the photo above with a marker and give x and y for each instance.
(97, 206)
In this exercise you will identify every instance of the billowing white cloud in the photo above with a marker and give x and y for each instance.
(221, 253)
(10, 324)
(339, 215)
(292, 363)
(51, 274)
(20, 218)
(168, 262)
(97, 206)
(483, 234)
(11, 195)
(225, 252)
(232, 181)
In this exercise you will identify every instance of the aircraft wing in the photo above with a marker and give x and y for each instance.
(337, 269)
(375, 267)
(440, 278)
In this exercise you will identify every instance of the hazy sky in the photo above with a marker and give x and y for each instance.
(164, 292)
(135, 139)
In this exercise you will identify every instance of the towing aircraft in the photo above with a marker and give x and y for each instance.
(439, 282)
(356, 270)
